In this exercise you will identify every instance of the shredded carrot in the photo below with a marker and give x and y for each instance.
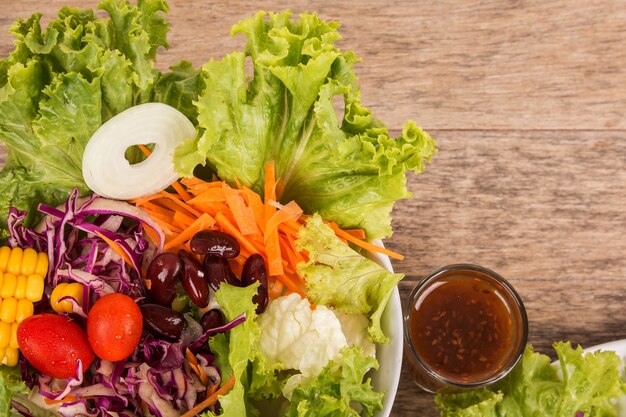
(260, 225)
(364, 244)
(244, 216)
(211, 398)
(290, 211)
(116, 248)
(203, 222)
(195, 366)
(357, 233)
(275, 289)
(66, 399)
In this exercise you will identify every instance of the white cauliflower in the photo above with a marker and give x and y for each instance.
(306, 340)
(299, 337)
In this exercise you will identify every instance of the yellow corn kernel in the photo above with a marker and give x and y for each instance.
(57, 293)
(2, 350)
(15, 261)
(25, 309)
(29, 262)
(74, 290)
(10, 356)
(9, 283)
(5, 253)
(20, 288)
(34, 287)
(8, 310)
(13, 342)
(5, 334)
(42, 264)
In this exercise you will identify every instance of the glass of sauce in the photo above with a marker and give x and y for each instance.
(465, 327)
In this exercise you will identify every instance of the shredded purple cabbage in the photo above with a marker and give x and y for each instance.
(157, 378)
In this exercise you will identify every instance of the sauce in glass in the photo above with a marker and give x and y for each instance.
(465, 326)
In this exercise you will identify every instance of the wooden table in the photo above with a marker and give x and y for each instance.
(527, 101)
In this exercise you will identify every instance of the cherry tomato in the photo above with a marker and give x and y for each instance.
(114, 327)
(53, 344)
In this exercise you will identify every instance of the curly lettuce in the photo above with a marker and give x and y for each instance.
(584, 384)
(349, 171)
(63, 82)
(341, 278)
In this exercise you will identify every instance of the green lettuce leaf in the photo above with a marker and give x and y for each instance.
(60, 84)
(334, 391)
(10, 384)
(587, 383)
(350, 171)
(237, 354)
(339, 277)
(236, 349)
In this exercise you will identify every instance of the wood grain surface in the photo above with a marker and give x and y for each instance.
(527, 100)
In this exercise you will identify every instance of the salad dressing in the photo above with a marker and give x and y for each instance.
(465, 326)
(462, 328)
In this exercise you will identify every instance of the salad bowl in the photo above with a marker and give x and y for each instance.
(390, 355)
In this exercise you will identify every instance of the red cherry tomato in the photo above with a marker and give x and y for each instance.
(114, 327)
(53, 344)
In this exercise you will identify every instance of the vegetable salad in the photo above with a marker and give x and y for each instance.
(230, 277)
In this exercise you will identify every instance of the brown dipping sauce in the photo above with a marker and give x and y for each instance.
(466, 326)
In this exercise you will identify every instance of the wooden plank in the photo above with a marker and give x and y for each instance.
(468, 64)
(544, 209)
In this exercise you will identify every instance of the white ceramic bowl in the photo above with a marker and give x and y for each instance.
(390, 355)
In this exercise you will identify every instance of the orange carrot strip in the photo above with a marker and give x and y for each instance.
(179, 203)
(193, 362)
(244, 216)
(201, 223)
(66, 399)
(276, 289)
(182, 219)
(230, 228)
(209, 196)
(290, 211)
(172, 202)
(181, 191)
(255, 203)
(116, 247)
(211, 398)
(156, 207)
(357, 233)
(274, 258)
(364, 244)
(144, 149)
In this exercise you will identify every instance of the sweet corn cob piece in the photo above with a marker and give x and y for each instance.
(13, 342)
(22, 280)
(8, 310)
(5, 334)
(25, 309)
(20, 288)
(11, 356)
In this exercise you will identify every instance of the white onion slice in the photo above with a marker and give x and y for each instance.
(105, 168)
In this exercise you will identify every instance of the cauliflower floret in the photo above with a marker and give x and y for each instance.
(298, 337)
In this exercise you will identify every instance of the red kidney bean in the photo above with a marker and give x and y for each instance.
(254, 270)
(212, 319)
(218, 270)
(163, 272)
(211, 242)
(194, 280)
(163, 321)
